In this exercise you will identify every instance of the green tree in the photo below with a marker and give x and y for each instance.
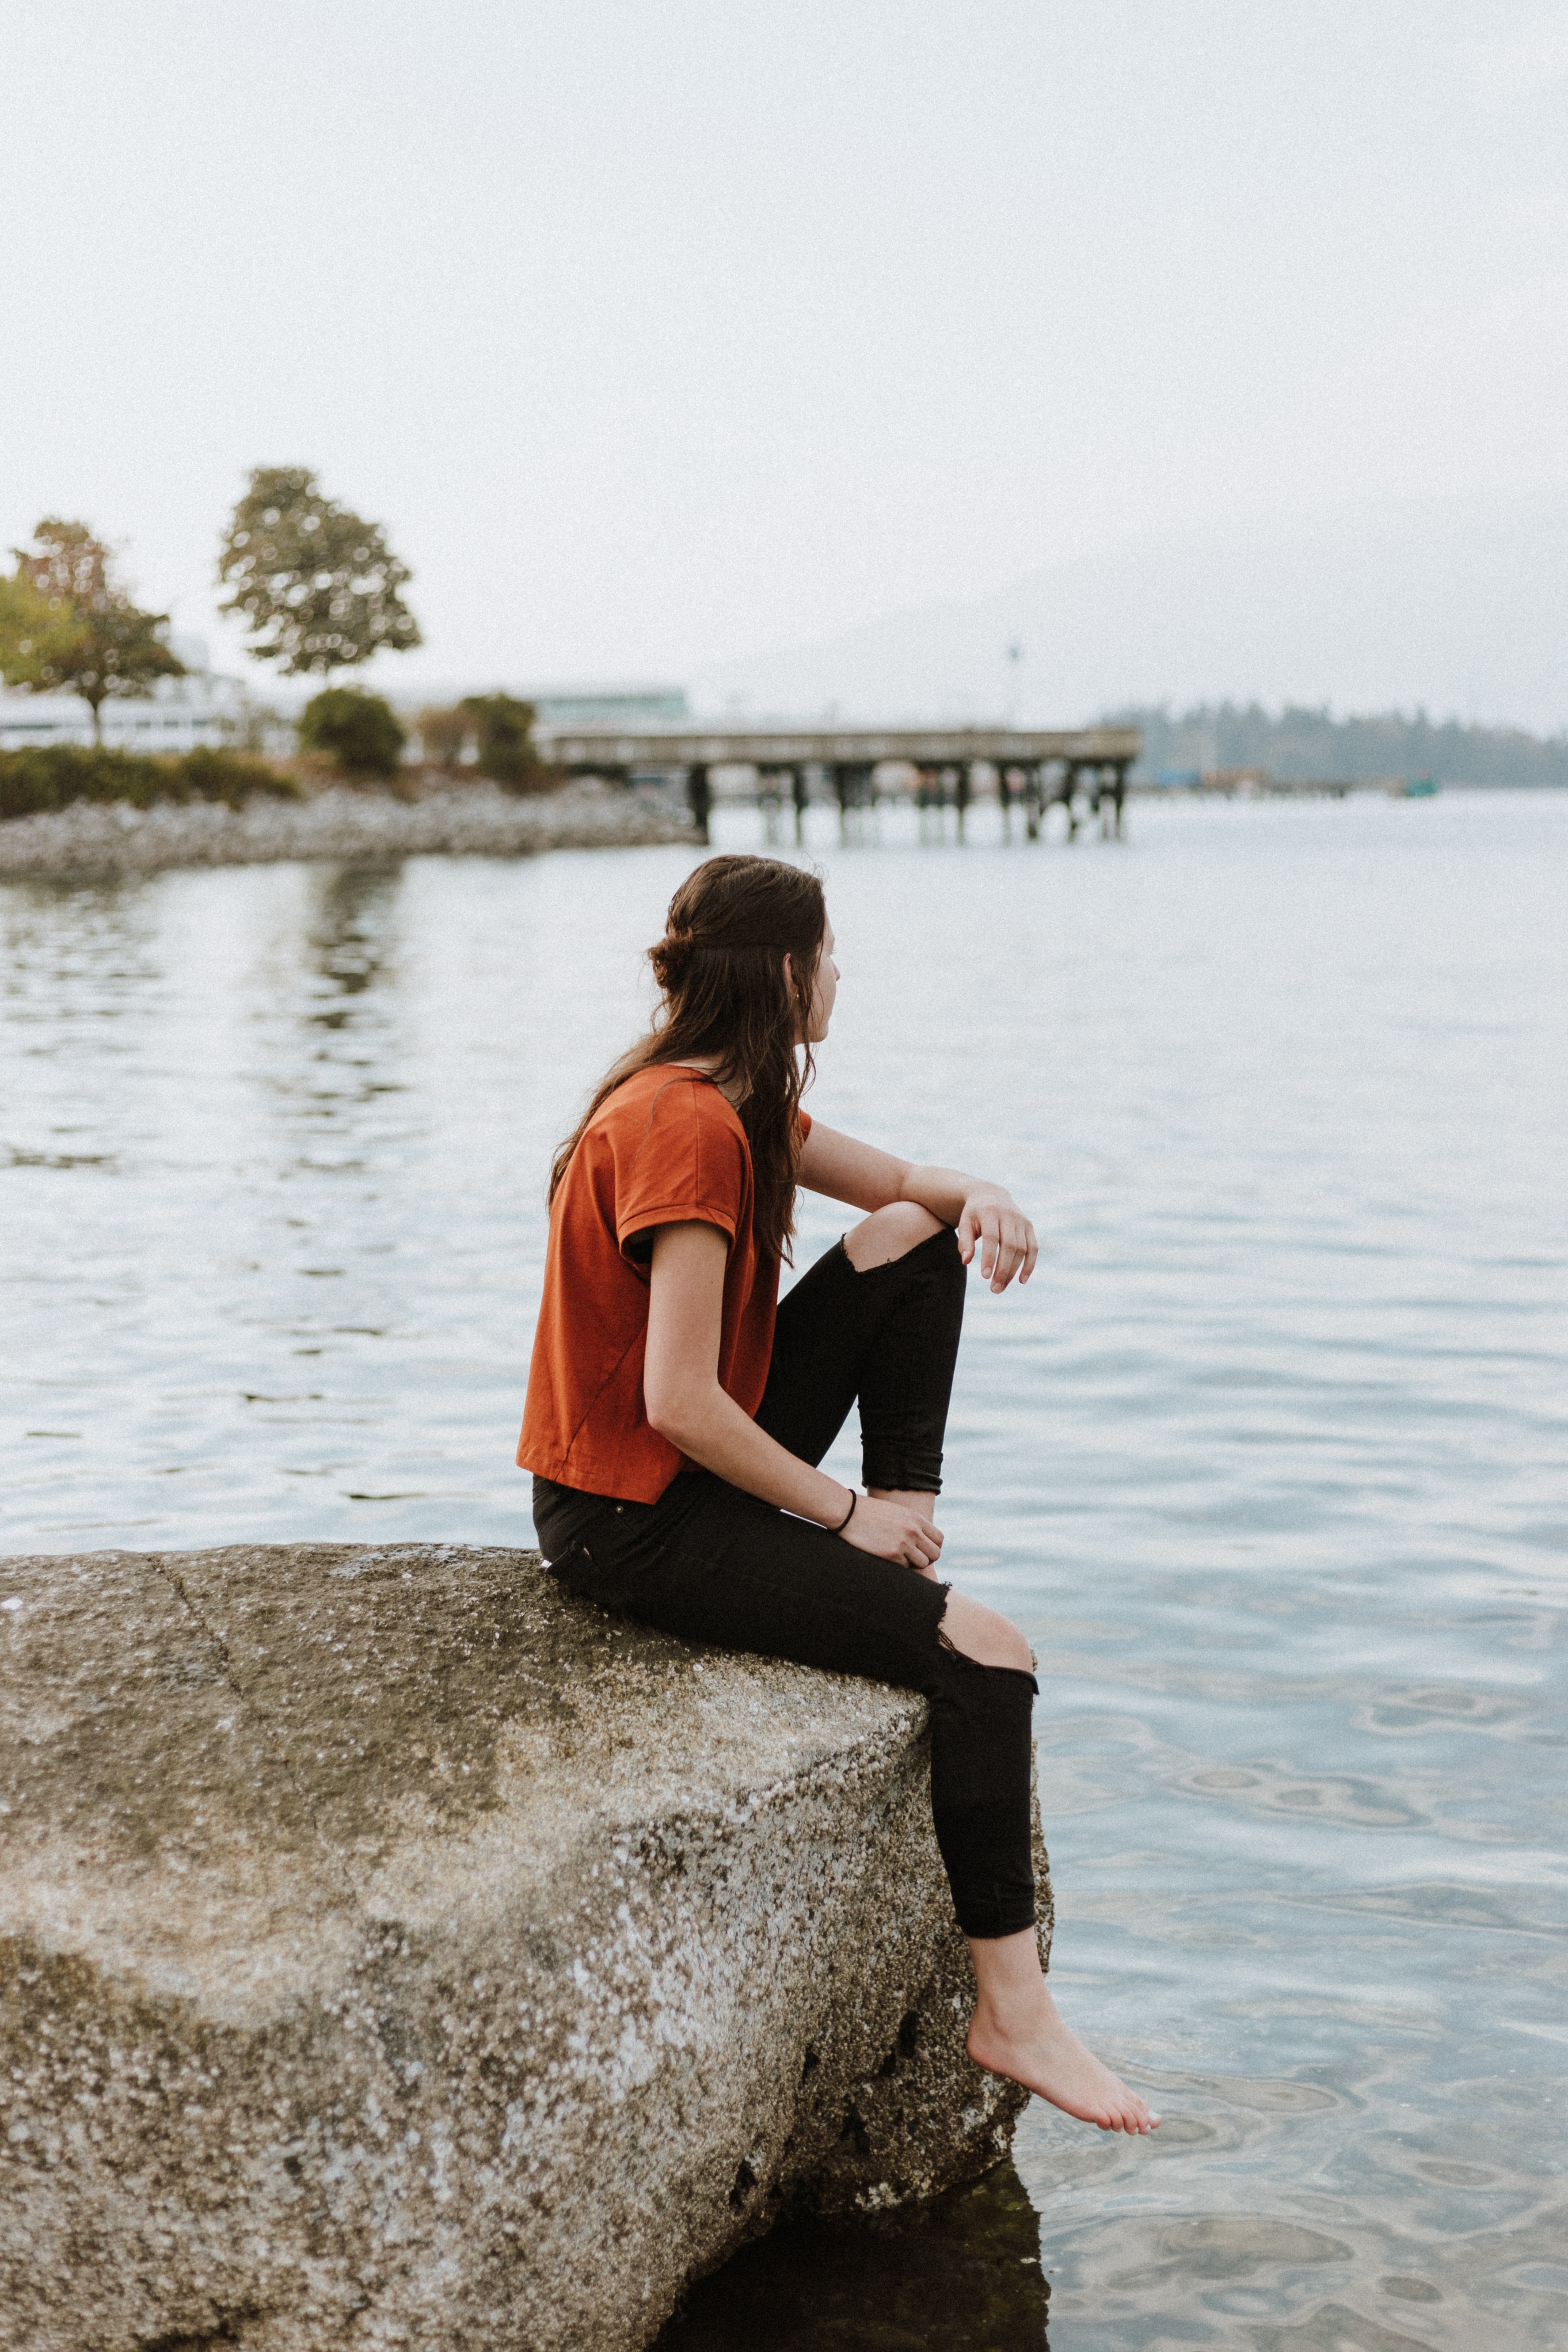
(318, 587)
(504, 729)
(442, 735)
(37, 632)
(359, 731)
(99, 643)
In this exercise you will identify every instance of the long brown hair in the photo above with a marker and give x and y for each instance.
(720, 971)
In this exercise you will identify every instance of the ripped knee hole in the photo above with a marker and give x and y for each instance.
(944, 1641)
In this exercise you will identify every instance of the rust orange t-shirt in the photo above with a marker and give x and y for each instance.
(667, 1149)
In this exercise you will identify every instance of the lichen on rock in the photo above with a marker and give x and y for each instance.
(395, 1950)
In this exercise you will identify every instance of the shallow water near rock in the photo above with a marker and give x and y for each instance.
(1268, 1459)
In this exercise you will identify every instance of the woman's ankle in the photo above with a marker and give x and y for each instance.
(1008, 1978)
(1020, 2010)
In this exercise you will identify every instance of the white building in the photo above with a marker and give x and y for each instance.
(208, 706)
(202, 707)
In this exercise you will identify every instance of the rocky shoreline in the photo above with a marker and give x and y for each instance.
(459, 820)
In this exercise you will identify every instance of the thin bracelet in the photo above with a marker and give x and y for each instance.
(848, 1514)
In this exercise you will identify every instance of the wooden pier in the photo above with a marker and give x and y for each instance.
(1031, 770)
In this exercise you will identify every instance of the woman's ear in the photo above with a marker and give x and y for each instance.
(789, 971)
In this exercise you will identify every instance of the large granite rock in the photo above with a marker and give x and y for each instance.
(396, 1952)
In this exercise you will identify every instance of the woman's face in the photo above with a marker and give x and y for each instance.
(824, 991)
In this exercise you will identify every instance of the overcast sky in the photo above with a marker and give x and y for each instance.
(660, 335)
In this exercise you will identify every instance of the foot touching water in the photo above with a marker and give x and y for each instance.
(1027, 2041)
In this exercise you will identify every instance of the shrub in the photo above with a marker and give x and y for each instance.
(504, 729)
(359, 731)
(442, 735)
(53, 775)
(231, 776)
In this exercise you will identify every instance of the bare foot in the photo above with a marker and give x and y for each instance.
(1031, 2046)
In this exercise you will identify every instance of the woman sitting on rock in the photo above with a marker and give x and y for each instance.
(676, 1412)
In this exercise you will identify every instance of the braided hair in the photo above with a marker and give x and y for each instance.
(725, 999)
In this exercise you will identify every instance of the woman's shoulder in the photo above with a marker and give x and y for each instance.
(667, 1093)
(665, 1145)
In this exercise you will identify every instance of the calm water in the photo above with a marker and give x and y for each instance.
(1269, 1460)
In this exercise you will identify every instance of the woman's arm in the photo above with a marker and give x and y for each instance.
(686, 1404)
(985, 1216)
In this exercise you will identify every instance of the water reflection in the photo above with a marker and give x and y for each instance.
(73, 951)
(960, 2275)
(352, 935)
(335, 972)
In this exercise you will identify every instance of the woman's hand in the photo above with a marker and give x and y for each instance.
(992, 1223)
(893, 1531)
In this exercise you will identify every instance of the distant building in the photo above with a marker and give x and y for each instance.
(582, 706)
(209, 706)
(203, 708)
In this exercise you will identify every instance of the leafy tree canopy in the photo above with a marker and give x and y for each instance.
(37, 632)
(1299, 744)
(319, 588)
(443, 732)
(67, 626)
(504, 728)
(359, 731)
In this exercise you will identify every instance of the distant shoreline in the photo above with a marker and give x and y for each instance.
(467, 821)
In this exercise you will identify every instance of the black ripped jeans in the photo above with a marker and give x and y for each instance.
(711, 1563)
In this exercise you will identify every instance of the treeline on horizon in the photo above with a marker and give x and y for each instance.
(1304, 746)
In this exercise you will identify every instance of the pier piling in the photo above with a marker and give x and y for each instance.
(1043, 769)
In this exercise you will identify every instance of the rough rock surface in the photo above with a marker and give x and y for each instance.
(471, 820)
(395, 1951)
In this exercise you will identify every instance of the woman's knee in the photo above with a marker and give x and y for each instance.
(888, 1234)
(984, 1634)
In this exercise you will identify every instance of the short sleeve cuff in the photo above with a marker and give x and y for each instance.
(635, 1237)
